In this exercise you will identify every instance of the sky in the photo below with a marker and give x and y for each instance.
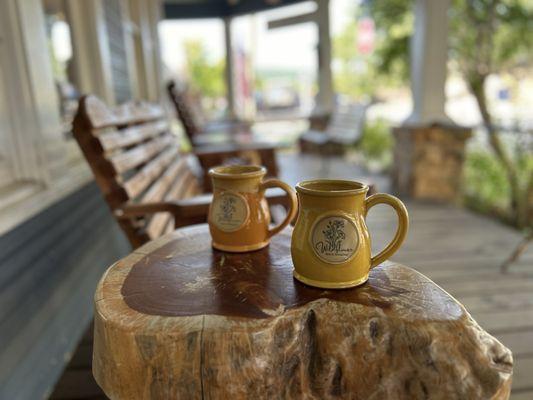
(291, 47)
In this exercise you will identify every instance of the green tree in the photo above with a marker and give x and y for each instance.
(204, 76)
(348, 79)
(356, 74)
(486, 37)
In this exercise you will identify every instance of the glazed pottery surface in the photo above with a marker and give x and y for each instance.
(331, 246)
(239, 216)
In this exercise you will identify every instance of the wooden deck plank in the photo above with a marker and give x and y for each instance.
(519, 342)
(77, 384)
(523, 374)
(522, 395)
(489, 284)
(472, 269)
(504, 321)
(497, 301)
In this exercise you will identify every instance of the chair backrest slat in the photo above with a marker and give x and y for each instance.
(141, 154)
(130, 136)
(347, 123)
(160, 188)
(132, 113)
(150, 172)
(135, 159)
(189, 119)
(158, 223)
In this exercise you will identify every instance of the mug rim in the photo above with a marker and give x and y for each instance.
(357, 187)
(232, 171)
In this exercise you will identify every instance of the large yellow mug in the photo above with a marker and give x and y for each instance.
(331, 245)
(239, 216)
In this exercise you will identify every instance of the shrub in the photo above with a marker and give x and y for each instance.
(485, 184)
(376, 144)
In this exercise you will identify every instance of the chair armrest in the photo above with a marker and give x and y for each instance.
(188, 211)
(143, 209)
(187, 208)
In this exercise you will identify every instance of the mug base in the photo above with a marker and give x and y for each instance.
(242, 248)
(330, 285)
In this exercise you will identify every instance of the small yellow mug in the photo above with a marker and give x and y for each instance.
(331, 244)
(239, 216)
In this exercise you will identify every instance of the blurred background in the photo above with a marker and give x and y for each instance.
(431, 100)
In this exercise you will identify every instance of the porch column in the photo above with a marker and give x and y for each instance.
(325, 85)
(32, 101)
(429, 149)
(429, 55)
(229, 71)
(147, 52)
(91, 57)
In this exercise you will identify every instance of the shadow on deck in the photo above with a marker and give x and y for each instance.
(459, 250)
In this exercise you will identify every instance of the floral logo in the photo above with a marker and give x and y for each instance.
(227, 208)
(229, 211)
(334, 234)
(334, 239)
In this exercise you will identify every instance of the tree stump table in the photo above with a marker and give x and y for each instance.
(179, 320)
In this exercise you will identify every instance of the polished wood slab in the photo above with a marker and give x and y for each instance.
(176, 319)
(186, 277)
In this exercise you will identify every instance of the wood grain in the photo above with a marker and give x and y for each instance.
(176, 319)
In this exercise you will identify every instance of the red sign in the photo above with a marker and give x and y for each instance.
(365, 35)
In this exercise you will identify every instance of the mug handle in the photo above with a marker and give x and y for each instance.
(270, 183)
(401, 231)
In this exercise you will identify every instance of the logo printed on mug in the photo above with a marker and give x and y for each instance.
(330, 245)
(239, 215)
(334, 239)
(230, 211)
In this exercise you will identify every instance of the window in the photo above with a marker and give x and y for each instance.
(117, 49)
(61, 54)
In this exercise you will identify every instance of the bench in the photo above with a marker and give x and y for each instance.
(226, 136)
(198, 130)
(344, 129)
(149, 185)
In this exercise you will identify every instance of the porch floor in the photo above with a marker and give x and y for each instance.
(459, 250)
(462, 252)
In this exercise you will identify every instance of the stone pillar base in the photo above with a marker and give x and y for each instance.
(428, 161)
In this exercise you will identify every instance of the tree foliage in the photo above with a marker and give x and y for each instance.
(363, 75)
(486, 37)
(205, 77)
(352, 77)
(394, 26)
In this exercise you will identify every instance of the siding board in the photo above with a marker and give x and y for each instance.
(49, 268)
(15, 280)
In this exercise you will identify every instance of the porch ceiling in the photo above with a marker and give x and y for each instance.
(187, 9)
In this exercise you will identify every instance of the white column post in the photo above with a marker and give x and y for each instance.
(92, 60)
(33, 101)
(130, 31)
(229, 71)
(155, 10)
(146, 49)
(429, 55)
(325, 84)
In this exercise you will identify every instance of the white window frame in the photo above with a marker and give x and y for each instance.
(32, 105)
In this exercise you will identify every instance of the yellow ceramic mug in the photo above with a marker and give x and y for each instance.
(331, 243)
(239, 217)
